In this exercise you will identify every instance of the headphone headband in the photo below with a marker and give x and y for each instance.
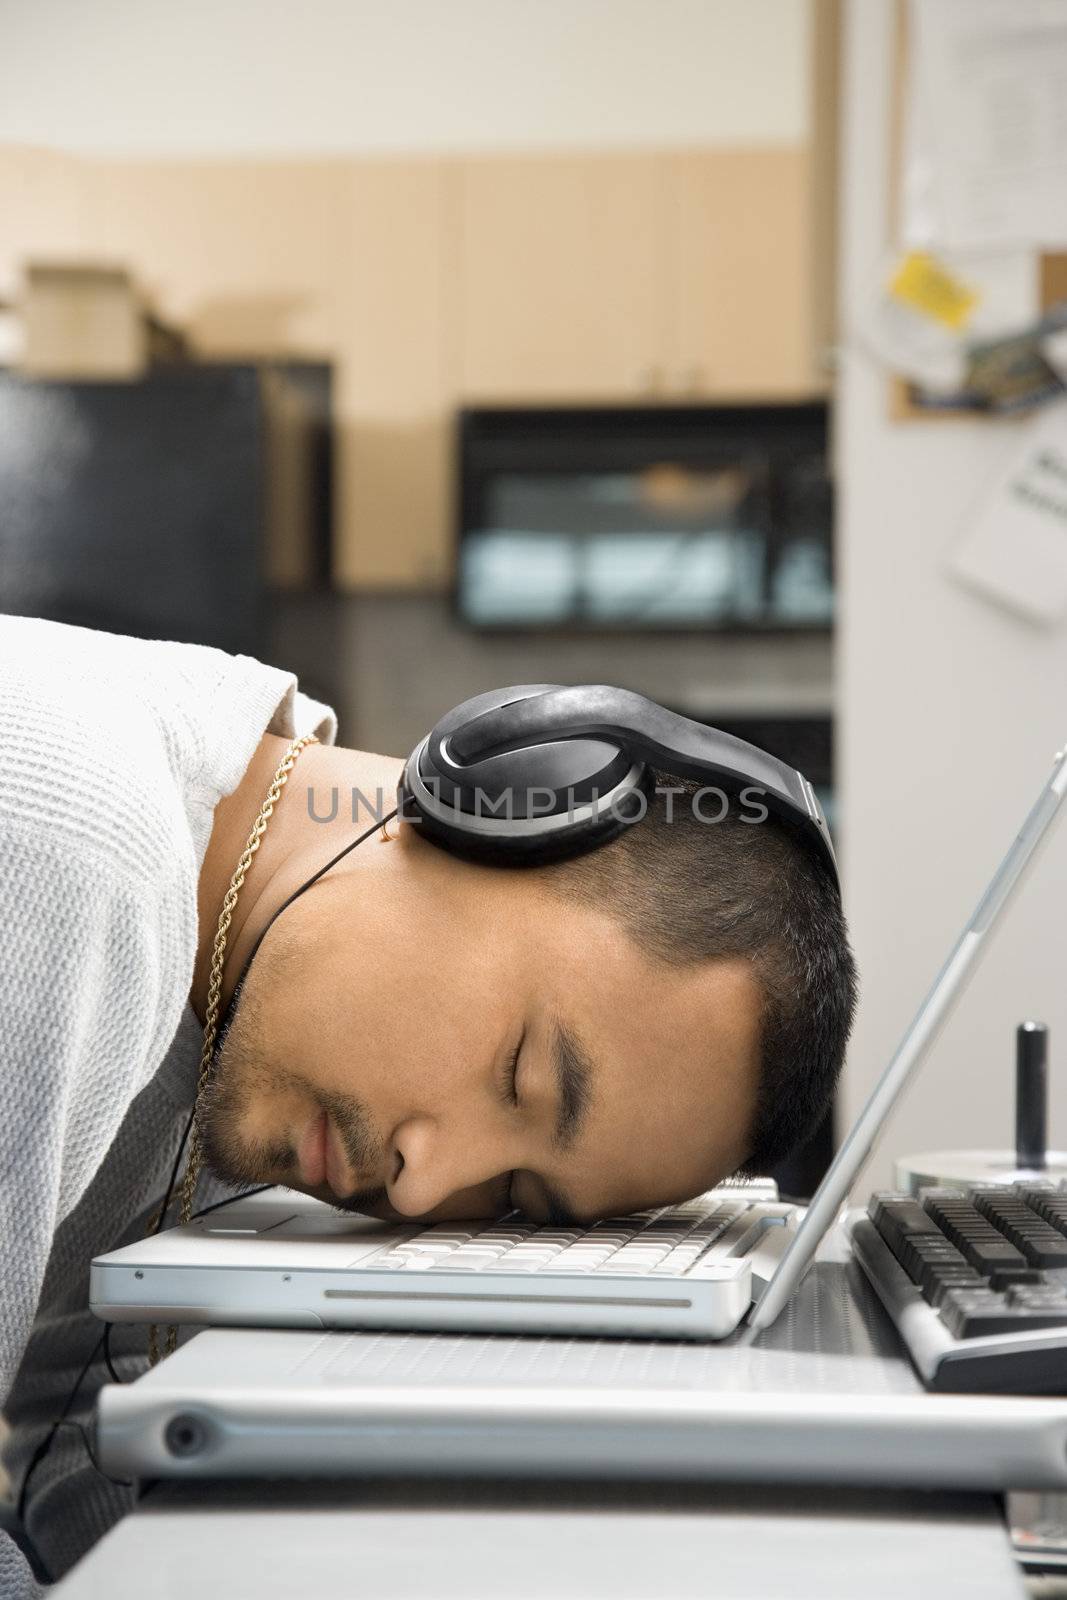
(576, 747)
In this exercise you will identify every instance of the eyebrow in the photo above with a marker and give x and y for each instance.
(574, 1072)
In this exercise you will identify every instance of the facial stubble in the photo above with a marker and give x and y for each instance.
(243, 1076)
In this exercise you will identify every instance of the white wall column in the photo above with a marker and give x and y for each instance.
(950, 710)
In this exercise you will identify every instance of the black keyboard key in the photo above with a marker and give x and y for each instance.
(916, 1250)
(936, 1281)
(988, 1252)
(900, 1221)
(968, 1313)
(1005, 1277)
(1039, 1242)
(929, 1259)
(972, 1233)
(976, 1313)
(1050, 1205)
(1045, 1250)
(898, 1211)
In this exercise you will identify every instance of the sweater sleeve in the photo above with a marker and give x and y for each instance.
(80, 945)
(97, 937)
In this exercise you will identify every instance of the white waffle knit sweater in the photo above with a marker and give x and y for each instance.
(113, 755)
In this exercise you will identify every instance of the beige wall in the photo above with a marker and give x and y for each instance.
(213, 78)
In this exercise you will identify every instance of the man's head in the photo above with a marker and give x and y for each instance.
(422, 1036)
(694, 894)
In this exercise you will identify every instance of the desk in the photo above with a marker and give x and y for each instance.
(460, 1539)
(470, 1542)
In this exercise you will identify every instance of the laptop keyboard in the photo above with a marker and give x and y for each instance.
(672, 1242)
(988, 1261)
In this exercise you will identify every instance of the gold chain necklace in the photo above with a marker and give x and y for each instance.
(195, 1157)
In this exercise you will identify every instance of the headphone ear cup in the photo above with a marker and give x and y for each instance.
(538, 772)
(518, 844)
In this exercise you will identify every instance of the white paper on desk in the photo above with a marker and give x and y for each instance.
(986, 133)
(1014, 548)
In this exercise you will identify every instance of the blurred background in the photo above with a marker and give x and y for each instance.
(429, 346)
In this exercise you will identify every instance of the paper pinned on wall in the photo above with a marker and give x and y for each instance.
(1001, 292)
(985, 140)
(1014, 548)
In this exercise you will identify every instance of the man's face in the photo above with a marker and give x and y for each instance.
(479, 1045)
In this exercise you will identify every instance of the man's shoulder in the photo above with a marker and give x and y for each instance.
(119, 749)
(205, 709)
(86, 765)
(114, 682)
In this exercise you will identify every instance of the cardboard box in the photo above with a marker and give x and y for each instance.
(82, 322)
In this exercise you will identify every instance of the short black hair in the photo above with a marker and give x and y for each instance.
(689, 890)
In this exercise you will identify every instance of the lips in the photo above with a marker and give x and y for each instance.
(321, 1160)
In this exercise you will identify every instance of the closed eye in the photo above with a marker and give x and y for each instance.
(508, 1085)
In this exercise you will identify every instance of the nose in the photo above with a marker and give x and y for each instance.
(433, 1164)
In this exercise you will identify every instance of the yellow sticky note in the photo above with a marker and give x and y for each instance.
(922, 283)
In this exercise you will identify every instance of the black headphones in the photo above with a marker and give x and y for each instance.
(540, 772)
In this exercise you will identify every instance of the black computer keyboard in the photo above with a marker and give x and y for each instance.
(976, 1282)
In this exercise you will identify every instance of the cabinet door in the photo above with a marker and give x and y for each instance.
(393, 404)
(558, 278)
(739, 235)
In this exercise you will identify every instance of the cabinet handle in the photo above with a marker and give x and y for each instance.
(650, 379)
(695, 379)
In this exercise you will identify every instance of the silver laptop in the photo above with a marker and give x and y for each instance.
(826, 1395)
(693, 1272)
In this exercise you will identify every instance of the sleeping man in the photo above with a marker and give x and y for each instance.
(413, 1034)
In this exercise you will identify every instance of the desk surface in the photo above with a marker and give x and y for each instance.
(469, 1542)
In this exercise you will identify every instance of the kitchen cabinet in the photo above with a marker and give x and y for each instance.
(739, 274)
(621, 278)
(558, 282)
